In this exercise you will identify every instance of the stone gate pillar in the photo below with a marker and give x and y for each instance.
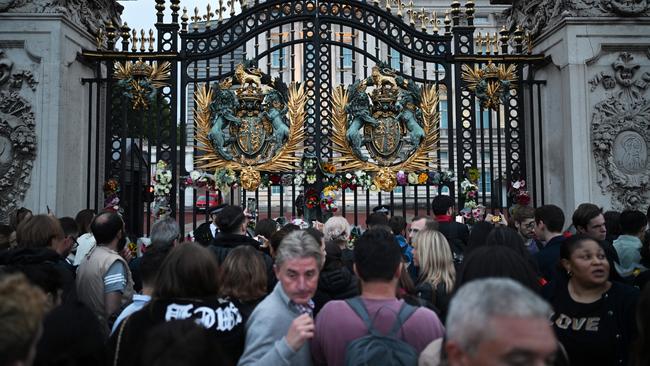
(44, 107)
(596, 108)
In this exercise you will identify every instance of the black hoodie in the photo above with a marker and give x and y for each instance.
(335, 284)
(32, 262)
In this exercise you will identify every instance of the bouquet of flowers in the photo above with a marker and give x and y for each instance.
(469, 190)
(328, 199)
(162, 180)
(197, 179)
(111, 195)
(402, 178)
(441, 178)
(161, 189)
(473, 215)
(309, 167)
(311, 199)
(298, 178)
(224, 179)
(352, 180)
(518, 193)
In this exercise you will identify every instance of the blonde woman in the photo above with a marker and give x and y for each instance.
(436, 273)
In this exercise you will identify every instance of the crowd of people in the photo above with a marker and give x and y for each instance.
(426, 290)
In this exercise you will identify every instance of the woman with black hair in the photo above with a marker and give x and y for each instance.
(497, 261)
(594, 317)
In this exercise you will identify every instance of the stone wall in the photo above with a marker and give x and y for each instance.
(595, 103)
(42, 49)
(593, 96)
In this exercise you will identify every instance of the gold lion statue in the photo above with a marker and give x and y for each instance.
(383, 76)
(248, 76)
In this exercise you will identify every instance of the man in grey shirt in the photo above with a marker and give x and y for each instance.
(280, 326)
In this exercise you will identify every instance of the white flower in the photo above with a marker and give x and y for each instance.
(348, 175)
(195, 175)
(516, 185)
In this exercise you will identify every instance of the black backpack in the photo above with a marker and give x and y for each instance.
(376, 348)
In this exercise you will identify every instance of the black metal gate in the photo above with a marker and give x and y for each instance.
(321, 44)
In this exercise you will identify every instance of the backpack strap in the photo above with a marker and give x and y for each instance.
(405, 312)
(356, 304)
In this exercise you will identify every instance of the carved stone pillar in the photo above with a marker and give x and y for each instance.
(595, 111)
(44, 107)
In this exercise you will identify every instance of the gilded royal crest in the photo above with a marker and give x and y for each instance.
(140, 81)
(250, 122)
(393, 128)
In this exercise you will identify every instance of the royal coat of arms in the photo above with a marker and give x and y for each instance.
(250, 123)
(394, 128)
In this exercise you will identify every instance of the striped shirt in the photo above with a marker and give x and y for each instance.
(115, 278)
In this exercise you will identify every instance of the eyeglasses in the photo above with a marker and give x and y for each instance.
(75, 243)
(530, 225)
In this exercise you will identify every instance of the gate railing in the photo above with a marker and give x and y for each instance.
(323, 45)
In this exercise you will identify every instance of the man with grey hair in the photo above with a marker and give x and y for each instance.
(280, 326)
(496, 321)
(165, 234)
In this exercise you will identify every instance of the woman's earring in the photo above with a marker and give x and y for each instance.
(569, 273)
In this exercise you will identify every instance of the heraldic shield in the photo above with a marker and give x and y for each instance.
(248, 117)
(395, 127)
(249, 122)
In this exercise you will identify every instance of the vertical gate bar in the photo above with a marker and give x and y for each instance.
(257, 199)
(207, 83)
(451, 125)
(404, 201)
(123, 126)
(481, 121)
(90, 139)
(427, 201)
(436, 76)
(134, 215)
(281, 199)
(98, 103)
(540, 142)
(415, 199)
(269, 60)
(108, 138)
(268, 201)
(148, 154)
(378, 56)
(492, 155)
(365, 75)
(509, 151)
(292, 76)
(464, 45)
(195, 86)
(500, 161)
(341, 63)
(521, 128)
(531, 107)
(280, 59)
(342, 81)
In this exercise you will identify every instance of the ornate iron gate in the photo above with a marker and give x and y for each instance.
(480, 80)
